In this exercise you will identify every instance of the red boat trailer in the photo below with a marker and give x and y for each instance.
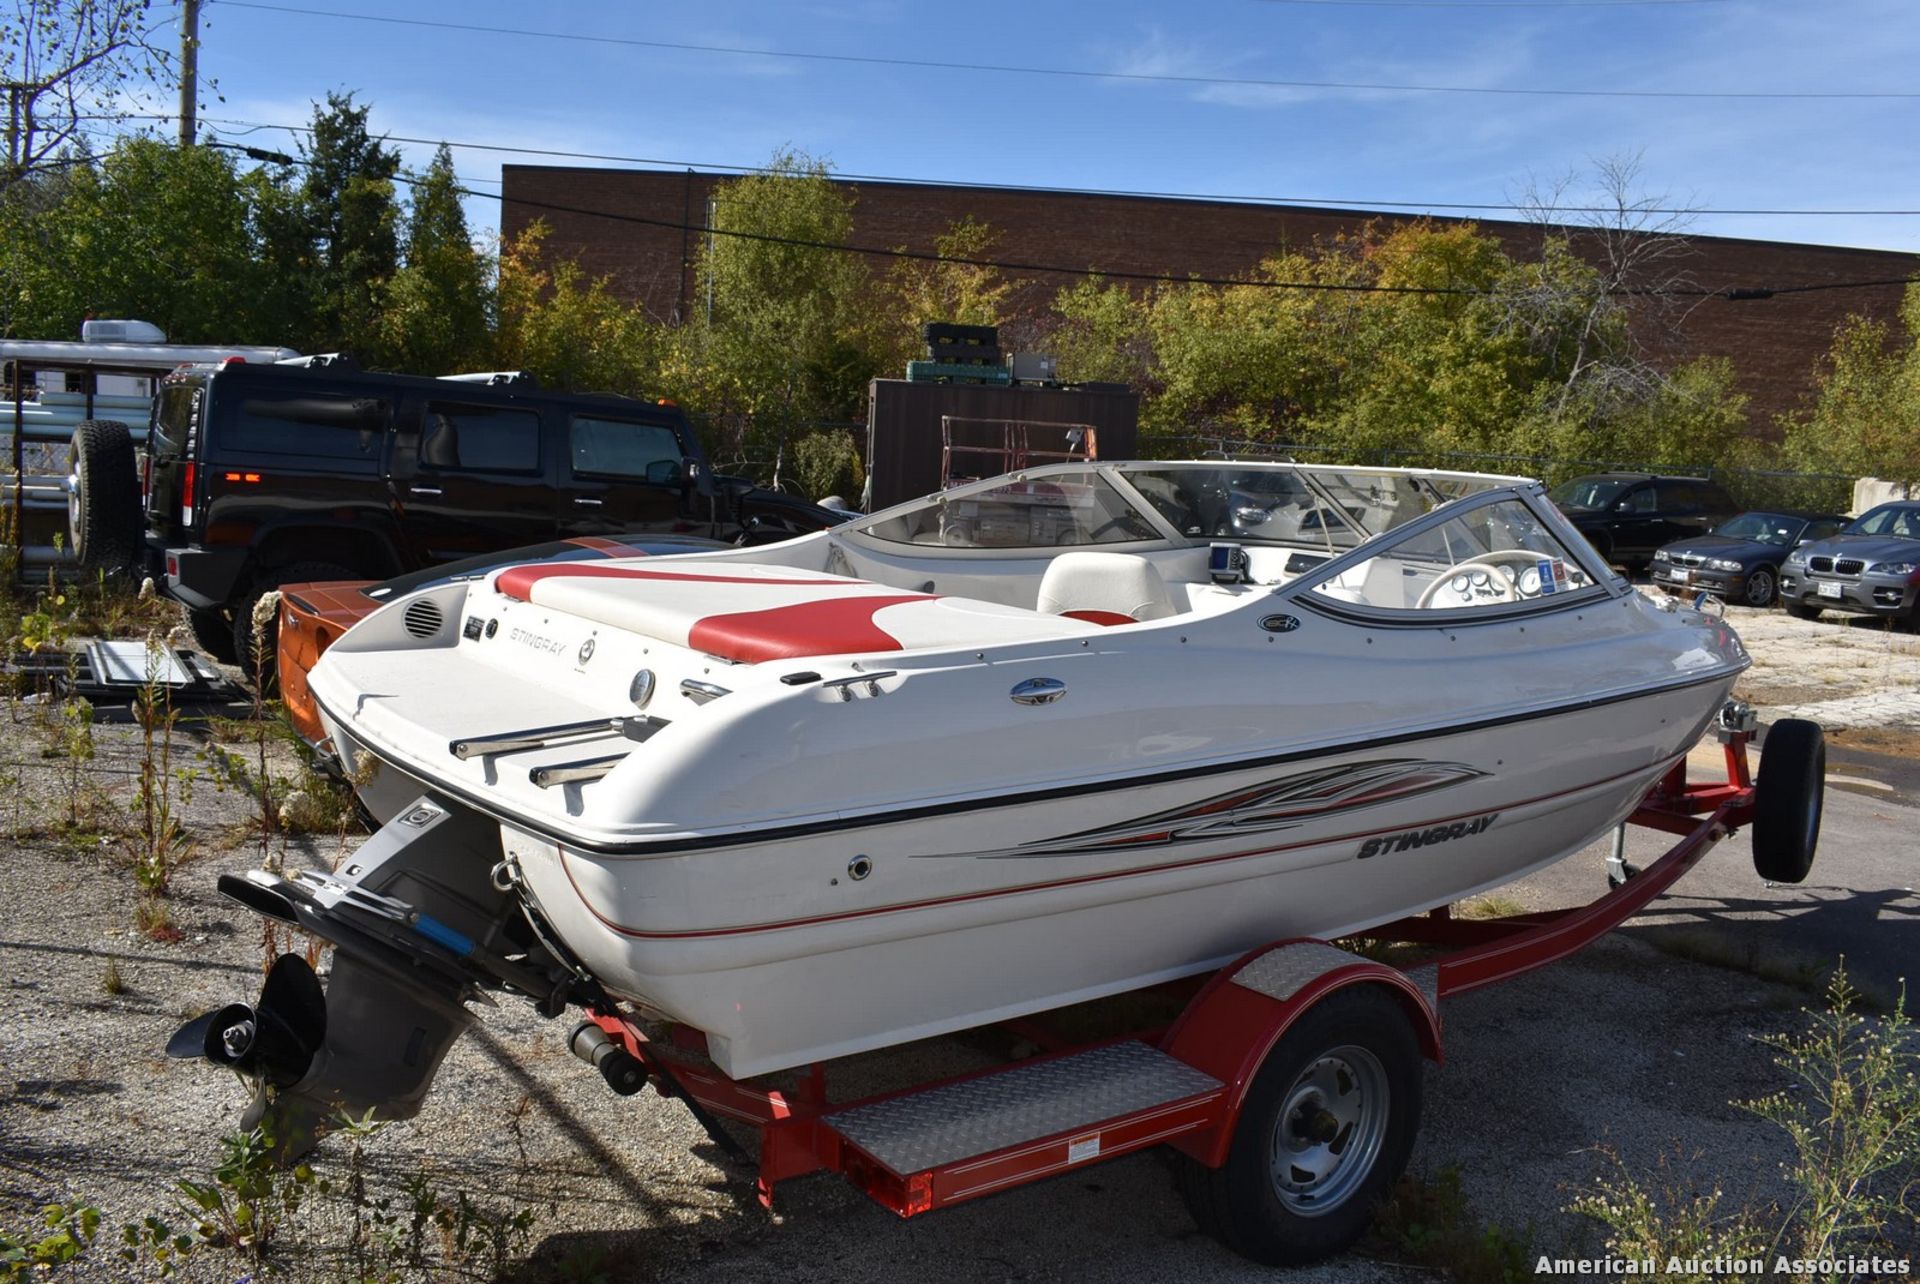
(1189, 1084)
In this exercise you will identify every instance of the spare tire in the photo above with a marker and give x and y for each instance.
(1788, 795)
(104, 520)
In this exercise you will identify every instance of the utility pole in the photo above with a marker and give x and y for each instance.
(189, 69)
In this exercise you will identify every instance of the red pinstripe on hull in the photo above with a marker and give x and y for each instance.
(746, 929)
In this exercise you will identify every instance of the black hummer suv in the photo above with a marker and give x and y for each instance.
(258, 475)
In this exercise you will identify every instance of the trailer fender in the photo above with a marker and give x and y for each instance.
(1233, 1023)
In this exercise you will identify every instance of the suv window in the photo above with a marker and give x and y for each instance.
(623, 448)
(1820, 530)
(1679, 497)
(174, 413)
(1643, 500)
(482, 439)
(345, 429)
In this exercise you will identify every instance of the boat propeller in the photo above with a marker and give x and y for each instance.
(272, 1041)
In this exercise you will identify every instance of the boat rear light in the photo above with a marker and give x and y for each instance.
(233, 361)
(186, 493)
(173, 566)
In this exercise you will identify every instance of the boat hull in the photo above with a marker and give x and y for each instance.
(798, 947)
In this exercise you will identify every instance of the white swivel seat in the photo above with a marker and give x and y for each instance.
(1105, 583)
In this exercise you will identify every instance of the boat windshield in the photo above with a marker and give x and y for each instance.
(1496, 555)
(1328, 509)
(1074, 507)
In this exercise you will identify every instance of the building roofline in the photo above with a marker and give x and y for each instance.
(1277, 207)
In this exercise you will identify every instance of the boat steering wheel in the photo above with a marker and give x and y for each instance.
(1500, 586)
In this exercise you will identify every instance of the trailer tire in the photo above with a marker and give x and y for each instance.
(1289, 1194)
(1788, 797)
(104, 521)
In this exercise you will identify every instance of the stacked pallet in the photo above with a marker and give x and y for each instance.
(960, 354)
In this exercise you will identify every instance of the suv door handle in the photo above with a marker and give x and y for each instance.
(588, 503)
(424, 490)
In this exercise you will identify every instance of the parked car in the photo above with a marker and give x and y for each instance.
(260, 475)
(313, 616)
(1872, 567)
(1627, 516)
(1740, 560)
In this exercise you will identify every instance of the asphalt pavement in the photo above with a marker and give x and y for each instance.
(1859, 902)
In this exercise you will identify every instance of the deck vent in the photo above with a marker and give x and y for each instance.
(423, 619)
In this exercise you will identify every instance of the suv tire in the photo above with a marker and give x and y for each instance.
(212, 631)
(103, 496)
(269, 641)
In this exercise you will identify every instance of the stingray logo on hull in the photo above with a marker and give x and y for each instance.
(552, 646)
(1427, 837)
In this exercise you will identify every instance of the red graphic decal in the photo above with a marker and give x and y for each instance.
(836, 626)
(1107, 618)
(519, 581)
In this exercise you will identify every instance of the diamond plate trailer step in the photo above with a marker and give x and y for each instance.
(968, 1138)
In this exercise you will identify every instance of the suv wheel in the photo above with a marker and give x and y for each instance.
(212, 632)
(257, 649)
(103, 496)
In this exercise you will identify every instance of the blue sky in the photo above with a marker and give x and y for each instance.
(1351, 145)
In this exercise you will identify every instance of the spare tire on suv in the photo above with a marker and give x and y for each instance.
(103, 496)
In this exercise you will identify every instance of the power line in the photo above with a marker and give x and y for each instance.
(1500, 4)
(1731, 293)
(1071, 72)
(1044, 189)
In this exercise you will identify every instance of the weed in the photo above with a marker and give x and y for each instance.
(69, 1233)
(250, 1197)
(1426, 1222)
(111, 980)
(1852, 1113)
(153, 920)
(160, 842)
(1493, 905)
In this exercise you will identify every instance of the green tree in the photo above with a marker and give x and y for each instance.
(70, 62)
(150, 231)
(1865, 418)
(917, 291)
(569, 330)
(353, 217)
(438, 306)
(787, 338)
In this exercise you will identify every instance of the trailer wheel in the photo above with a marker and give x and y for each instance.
(1324, 1133)
(1788, 796)
(104, 521)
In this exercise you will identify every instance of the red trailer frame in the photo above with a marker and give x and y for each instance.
(1204, 1061)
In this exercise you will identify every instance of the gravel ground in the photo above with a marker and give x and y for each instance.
(1622, 1047)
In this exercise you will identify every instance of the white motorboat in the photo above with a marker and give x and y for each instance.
(1028, 742)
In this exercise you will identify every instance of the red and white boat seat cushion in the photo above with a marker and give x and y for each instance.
(747, 612)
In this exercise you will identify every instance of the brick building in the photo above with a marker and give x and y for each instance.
(1775, 344)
